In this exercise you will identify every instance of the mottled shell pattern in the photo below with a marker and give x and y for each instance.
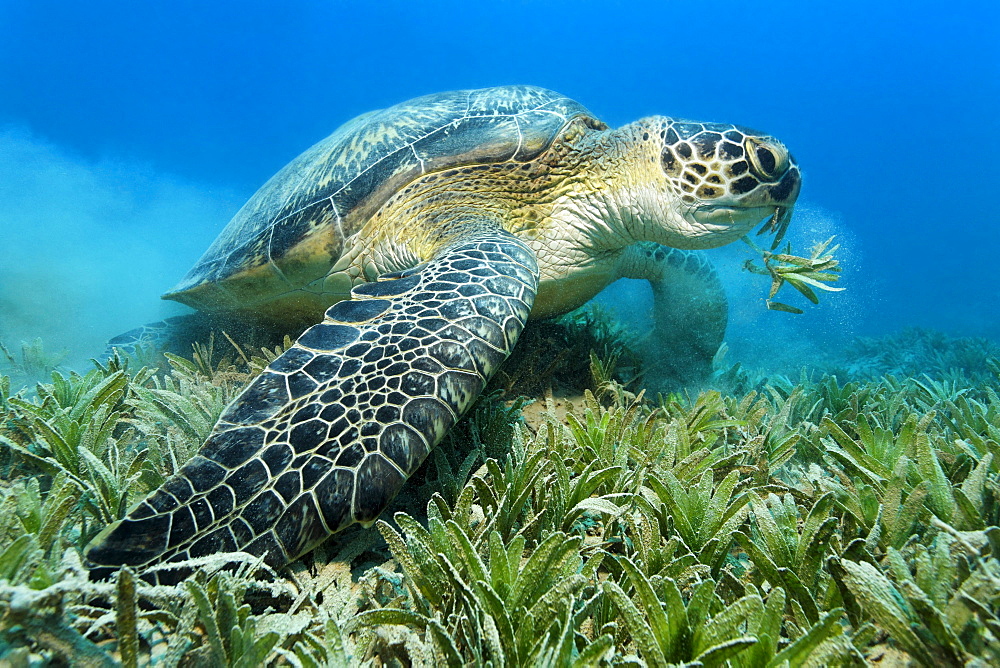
(295, 227)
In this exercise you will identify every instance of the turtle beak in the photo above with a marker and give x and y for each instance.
(783, 194)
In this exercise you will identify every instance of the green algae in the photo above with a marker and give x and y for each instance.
(804, 523)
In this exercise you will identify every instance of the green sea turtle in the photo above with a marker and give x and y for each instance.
(417, 241)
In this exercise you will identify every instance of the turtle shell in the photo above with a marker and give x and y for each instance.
(293, 230)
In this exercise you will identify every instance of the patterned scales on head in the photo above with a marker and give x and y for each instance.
(421, 238)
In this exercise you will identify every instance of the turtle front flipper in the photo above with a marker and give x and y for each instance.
(328, 433)
(690, 309)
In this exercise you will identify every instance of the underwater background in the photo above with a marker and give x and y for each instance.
(830, 496)
(131, 132)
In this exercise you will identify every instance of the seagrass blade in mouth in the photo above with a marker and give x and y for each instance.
(778, 224)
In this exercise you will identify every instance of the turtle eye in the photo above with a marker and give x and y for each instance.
(767, 161)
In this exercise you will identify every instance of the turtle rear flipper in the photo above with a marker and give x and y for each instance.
(177, 334)
(328, 433)
(173, 335)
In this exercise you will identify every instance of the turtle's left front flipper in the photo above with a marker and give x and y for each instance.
(690, 309)
(328, 433)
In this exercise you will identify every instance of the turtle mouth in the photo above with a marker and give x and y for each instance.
(728, 216)
(723, 217)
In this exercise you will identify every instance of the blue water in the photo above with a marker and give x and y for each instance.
(130, 132)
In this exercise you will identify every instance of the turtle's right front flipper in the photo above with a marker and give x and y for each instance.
(328, 433)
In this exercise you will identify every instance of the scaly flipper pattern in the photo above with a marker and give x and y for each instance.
(329, 432)
(690, 308)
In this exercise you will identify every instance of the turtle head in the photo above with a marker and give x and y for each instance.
(708, 184)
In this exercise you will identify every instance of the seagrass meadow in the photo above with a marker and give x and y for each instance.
(842, 517)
